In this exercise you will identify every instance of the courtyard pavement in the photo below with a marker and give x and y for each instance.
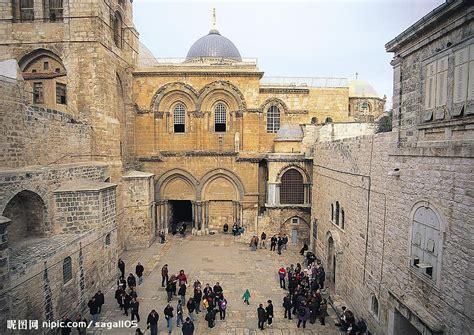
(213, 258)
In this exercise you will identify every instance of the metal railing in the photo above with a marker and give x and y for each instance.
(303, 82)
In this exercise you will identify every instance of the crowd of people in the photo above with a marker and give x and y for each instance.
(303, 301)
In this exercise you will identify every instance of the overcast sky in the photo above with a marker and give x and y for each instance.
(290, 38)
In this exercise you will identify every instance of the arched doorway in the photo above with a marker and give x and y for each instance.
(28, 214)
(331, 262)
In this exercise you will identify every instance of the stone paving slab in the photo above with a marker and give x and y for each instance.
(211, 259)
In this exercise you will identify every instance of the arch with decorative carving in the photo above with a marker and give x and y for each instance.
(32, 56)
(169, 94)
(306, 178)
(227, 177)
(225, 91)
(176, 184)
(280, 104)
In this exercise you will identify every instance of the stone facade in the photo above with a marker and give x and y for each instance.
(392, 212)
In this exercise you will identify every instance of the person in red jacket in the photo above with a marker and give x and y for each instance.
(282, 275)
(182, 277)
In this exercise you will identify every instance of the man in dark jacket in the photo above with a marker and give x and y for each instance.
(99, 299)
(269, 310)
(262, 317)
(135, 306)
(188, 327)
(121, 266)
(131, 281)
(287, 306)
(126, 303)
(168, 311)
(211, 318)
(197, 299)
(169, 290)
(139, 272)
(152, 322)
(118, 296)
(273, 243)
(164, 275)
(263, 239)
(303, 314)
(279, 245)
(93, 309)
(218, 290)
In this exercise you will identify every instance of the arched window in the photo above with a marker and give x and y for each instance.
(67, 269)
(220, 117)
(364, 106)
(332, 212)
(328, 120)
(314, 120)
(273, 119)
(118, 29)
(107, 239)
(337, 212)
(292, 188)
(343, 219)
(426, 240)
(179, 118)
(374, 306)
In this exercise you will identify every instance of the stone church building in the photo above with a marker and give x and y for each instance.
(104, 146)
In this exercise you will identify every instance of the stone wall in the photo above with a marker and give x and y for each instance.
(35, 136)
(372, 250)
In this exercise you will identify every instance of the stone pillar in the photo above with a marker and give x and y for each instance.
(206, 217)
(277, 194)
(200, 215)
(4, 272)
(194, 206)
(166, 216)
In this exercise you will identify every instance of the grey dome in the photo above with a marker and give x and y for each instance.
(214, 45)
(290, 132)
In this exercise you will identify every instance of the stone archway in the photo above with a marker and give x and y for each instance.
(27, 211)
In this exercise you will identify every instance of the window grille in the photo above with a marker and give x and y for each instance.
(292, 188)
(179, 118)
(67, 269)
(220, 117)
(273, 119)
(26, 10)
(107, 239)
(60, 93)
(38, 97)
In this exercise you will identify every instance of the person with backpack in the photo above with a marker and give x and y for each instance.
(168, 312)
(303, 314)
(246, 296)
(222, 307)
(262, 317)
(269, 311)
(287, 306)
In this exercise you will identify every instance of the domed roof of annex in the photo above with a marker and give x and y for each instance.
(214, 45)
(289, 131)
(361, 88)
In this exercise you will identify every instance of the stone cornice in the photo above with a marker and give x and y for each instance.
(197, 74)
(283, 90)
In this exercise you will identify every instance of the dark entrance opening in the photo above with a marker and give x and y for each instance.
(181, 214)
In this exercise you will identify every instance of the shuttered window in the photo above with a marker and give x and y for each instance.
(461, 75)
(436, 83)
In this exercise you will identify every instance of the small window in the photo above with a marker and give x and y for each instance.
(220, 117)
(38, 97)
(374, 306)
(273, 119)
(314, 120)
(179, 118)
(294, 220)
(328, 120)
(107, 239)
(46, 66)
(332, 212)
(23, 10)
(342, 218)
(337, 212)
(67, 269)
(57, 70)
(60, 93)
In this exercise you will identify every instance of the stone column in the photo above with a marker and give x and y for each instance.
(277, 194)
(166, 216)
(195, 217)
(206, 217)
(199, 222)
(4, 272)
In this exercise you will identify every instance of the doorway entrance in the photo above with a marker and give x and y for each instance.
(181, 215)
(294, 236)
(401, 325)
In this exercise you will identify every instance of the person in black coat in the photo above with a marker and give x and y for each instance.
(305, 247)
(126, 303)
(139, 272)
(100, 300)
(121, 266)
(197, 299)
(152, 322)
(135, 305)
(93, 309)
(273, 243)
(211, 318)
(188, 327)
(118, 296)
(279, 245)
(131, 281)
(65, 329)
(262, 316)
(269, 310)
(287, 306)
